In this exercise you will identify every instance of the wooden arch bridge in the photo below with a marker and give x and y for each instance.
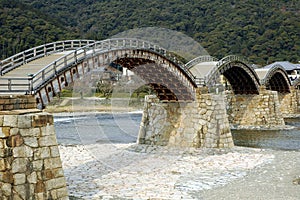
(45, 70)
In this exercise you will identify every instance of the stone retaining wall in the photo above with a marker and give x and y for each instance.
(289, 103)
(253, 110)
(30, 165)
(15, 102)
(202, 123)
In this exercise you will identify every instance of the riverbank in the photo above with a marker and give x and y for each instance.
(128, 171)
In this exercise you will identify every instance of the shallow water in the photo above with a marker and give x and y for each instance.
(123, 128)
(98, 128)
(272, 139)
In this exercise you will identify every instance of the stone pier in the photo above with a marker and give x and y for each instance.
(202, 123)
(30, 164)
(255, 110)
(289, 103)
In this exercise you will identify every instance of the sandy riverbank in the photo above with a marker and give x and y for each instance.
(127, 171)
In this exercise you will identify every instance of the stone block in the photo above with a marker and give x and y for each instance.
(37, 165)
(47, 141)
(22, 152)
(40, 187)
(24, 121)
(39, 196)
(6, 189)
(19, 165)
(31, 141)
(4, 132)
(6, 177)
(15, 141)
(17, 197)
(47, 130)
(54, 151)
(1, 119)
(10, 120)
(48, 174)
(42, 120)
(3, 153)
(3, 165)
(62, 193)
(52, 163)
(32, 132)
(32, 178)
(20, 190)
(42, 153)
(55, 183)
(14, 131)
(19, 179)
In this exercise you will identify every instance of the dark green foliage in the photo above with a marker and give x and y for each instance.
(263, 31)
(22, 27)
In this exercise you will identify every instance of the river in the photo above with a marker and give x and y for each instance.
(123, 128)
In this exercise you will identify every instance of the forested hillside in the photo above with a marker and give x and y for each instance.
(263, 31)
(22, 27)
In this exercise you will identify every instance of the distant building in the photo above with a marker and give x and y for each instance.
(293, 70)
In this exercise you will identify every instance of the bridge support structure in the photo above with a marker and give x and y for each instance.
(30, 164)
(255, 110)
(289, 103)
(200, 123)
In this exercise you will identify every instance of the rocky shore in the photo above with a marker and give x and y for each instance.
(129, 171)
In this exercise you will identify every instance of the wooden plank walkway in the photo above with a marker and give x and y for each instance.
(23, 72)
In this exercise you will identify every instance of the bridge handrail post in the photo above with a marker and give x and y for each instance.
(34, 52)
(9, 84)
(75, 56)
(43, 75)
(23, 56)
(30, 85)
(45, 50)
(65, 61)
(54, 68)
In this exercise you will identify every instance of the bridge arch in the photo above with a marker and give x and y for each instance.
(160, 68)
(241, 77)
(167, 78)
(275, 78)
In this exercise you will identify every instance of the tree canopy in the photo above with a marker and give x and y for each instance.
(263, 31)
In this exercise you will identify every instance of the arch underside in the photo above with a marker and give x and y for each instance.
(165, 83)
(240, 81)
(278, 83)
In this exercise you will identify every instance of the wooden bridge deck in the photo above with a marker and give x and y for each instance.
(24, 71)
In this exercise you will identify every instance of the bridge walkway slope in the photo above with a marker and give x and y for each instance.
(21, 74)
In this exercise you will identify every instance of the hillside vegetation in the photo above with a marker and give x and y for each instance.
(263, 31)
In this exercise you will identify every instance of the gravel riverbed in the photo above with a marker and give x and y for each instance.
(130, 171)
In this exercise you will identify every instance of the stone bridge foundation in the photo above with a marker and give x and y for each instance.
(289, 103)
(202, 123)
(255, 110)
(30, 164)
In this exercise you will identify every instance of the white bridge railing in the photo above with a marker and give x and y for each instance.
(40, 51)
(211, 75)
(200, 59)
(82, 50)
